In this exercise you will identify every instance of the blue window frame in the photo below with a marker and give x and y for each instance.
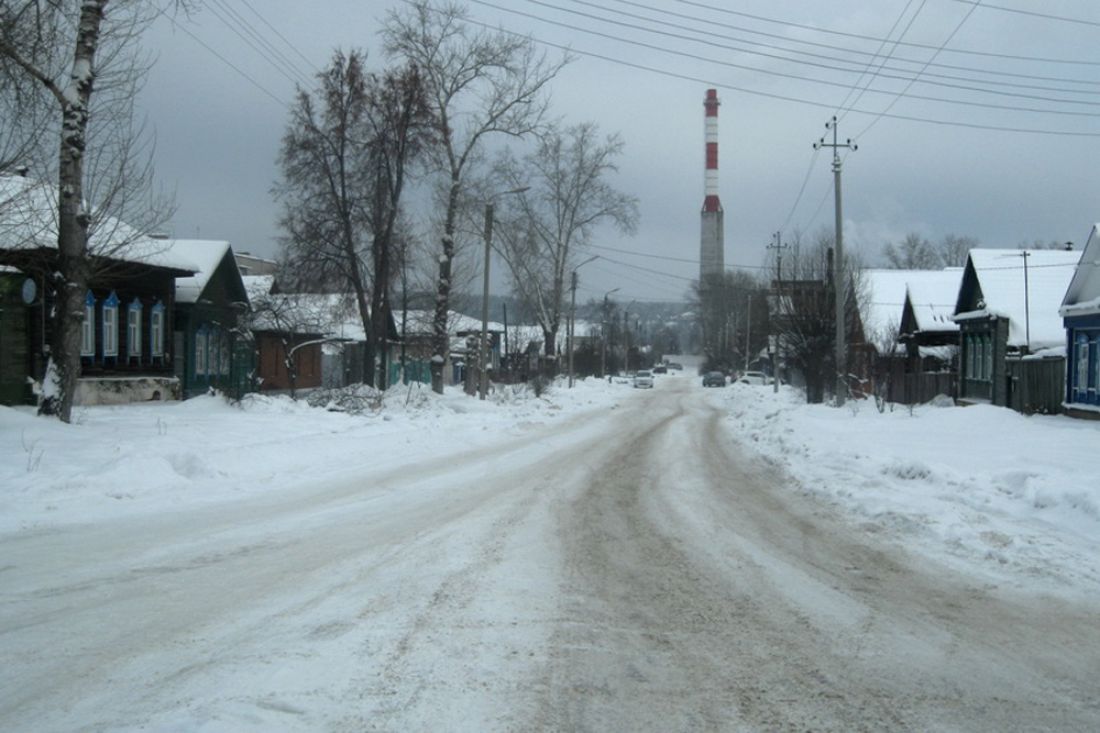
(110, 325)
(133, 329)
(87, 328)
(156, 331)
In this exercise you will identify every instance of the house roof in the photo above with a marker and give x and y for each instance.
(325, 314)
(420, 322)
(1083, 294)
(28, 221)
(257, 286)
(885, 290)
(999, 274)
(207, 255)
(932, 297)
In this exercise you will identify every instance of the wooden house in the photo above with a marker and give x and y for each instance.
(1012, 340)
(1080, 313)
(213, 349)
(126, 351)
(929, 336)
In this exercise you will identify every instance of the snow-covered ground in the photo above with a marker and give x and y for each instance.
(567, 561)
(1011, 496)
(158, 456)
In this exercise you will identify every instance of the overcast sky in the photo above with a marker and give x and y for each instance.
(781, 67)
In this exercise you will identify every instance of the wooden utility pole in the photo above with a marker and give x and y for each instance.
(840, 290)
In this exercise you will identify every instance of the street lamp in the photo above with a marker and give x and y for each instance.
(573, 313)
(484, 381)
(603, 351)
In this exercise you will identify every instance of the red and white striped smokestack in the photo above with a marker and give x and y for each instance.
(711, 202)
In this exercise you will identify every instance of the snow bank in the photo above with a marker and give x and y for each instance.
(155, 456)
(1012, 496)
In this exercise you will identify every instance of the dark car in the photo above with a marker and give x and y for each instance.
(714, 379)
(660, 369)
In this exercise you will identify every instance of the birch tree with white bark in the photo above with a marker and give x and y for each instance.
(83, 56)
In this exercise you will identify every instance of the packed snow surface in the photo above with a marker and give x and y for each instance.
(409, 561)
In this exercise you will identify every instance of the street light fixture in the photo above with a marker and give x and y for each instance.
(483, 389)
(573, 313)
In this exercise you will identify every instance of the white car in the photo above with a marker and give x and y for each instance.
(643, 379)
(754, 378)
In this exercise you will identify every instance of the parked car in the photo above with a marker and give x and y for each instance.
(714, 379)
(754, 378)
(660, 369)
(643, 379)
(675, 366)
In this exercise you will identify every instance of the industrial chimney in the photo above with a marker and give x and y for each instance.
(711, 256)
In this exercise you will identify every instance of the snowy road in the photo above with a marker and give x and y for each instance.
(628, 570)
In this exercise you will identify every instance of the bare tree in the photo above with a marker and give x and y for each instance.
(344, 159)
(478, 83)
(912, 253)
(90, 67)
(732, 316)
(546, 227)
(803, 310)
(952, 249)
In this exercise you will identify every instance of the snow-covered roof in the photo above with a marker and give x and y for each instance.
(28, 221)
(932, 297)
(1000, 274)
(420, 322)
(257, 286)
(1083, 294)
(330, 314)
(207, 254)
(885, 291)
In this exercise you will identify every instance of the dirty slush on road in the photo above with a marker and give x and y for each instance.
(701, 593)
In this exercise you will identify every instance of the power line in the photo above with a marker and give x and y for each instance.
(909, 44)
(879, 68)
(797, 77)
(241, 28)
(710, 23)
(780, 97)
(281, 37)
(902, 93)
(227, 62)
(1032, 13)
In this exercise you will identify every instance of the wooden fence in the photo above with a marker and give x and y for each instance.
(1036, 385)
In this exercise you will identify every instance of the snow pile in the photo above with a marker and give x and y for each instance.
(1014, 496)
(161, 455)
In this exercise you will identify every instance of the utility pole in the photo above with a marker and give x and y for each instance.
(572, 322)
(606, 314)
(484, 382)
(748, 329)
(484, 349)
(841, 291)
(1027, 304)
(774, 340)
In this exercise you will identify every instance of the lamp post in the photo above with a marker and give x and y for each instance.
(573, 313)
(603, 350)
(484, 381)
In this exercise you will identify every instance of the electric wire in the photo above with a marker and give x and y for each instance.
(844, 109)
(709, 23)
(780, 97)
(226, 61)
(1032, 13)
(910, 44)
(786, 75)
(902, 93)
(244, 30)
